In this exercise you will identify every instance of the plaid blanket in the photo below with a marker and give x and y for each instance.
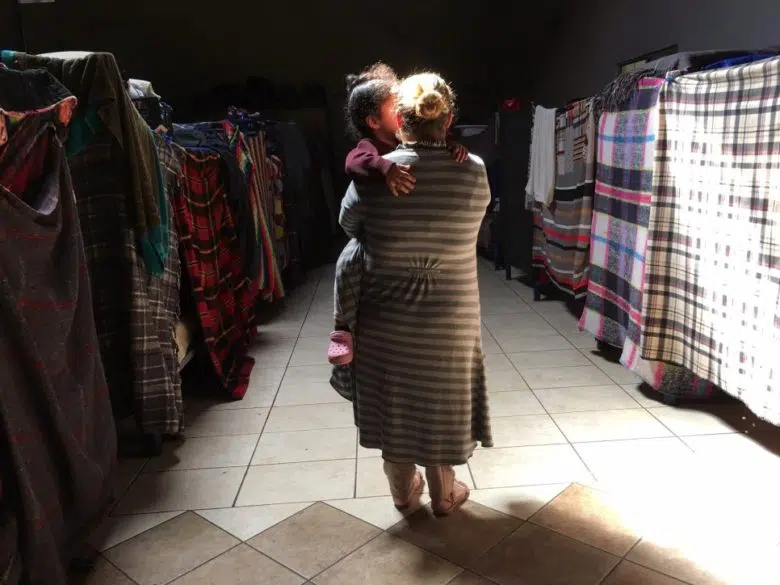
(211, 254)
(562, 231)
(621, 213)
(712, 284)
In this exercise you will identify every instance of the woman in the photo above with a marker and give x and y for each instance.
(419, 369)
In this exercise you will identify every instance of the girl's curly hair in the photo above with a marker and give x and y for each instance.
(366, 92)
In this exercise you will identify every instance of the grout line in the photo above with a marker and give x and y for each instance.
(276, 395)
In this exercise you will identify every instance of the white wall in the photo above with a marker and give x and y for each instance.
(597, 35)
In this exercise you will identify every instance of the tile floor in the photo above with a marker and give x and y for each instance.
(592, 482)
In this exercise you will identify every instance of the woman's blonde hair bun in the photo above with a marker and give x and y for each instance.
(430, 105)
(425, 96)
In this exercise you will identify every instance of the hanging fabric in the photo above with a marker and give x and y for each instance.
(624, 178)
(562, 231)
(57, 432)
(712, 284)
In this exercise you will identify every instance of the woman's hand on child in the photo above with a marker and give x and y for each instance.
(400, 180)
(459, 152)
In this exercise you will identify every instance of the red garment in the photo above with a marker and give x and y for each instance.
(365, 160)
(212, 257)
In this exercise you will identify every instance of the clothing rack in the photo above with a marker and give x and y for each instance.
(651, 275)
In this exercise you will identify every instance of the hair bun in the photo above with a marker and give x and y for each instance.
(430, 105)
(353, 81)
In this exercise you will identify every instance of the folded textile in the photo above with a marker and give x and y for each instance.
(140, 88)
(541, 171)
(712, 282)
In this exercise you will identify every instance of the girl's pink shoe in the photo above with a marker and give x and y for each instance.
(340, 348)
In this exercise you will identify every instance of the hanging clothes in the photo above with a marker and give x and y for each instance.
(712, 283)
(211, 135)
(621, 213)
(104, 101)
(269, 282)
(562, 231)
(211, 254)
(541, 175)
(57, 433)
(108, 174)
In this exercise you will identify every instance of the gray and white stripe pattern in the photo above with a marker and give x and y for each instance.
(421, 393)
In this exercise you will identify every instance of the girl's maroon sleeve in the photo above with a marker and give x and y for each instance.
(365, 162)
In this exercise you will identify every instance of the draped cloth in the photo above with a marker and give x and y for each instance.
(712, 283)
(624, 180)
(57, 432)
(562, 230)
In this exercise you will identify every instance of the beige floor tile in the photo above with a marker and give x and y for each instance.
(461, 538)
(504, 306)
(581, 340)
(127, 471)
(248, 421)
(274, 358)
(532, 327)
(314, 539)
(310, 351)
(241, 566)
(387, 560)
(567, 377)
(701, 563)
(628, 573)
(205, 452)
(521, 466)
(520, 502)
(553, 308)
(497, 363)
(298, 446)
(467, 578)
(489, 344)
(610, 425)
(522, 431)
(116, 529)
(536, 556)
(266, 377)
(619, 373)
(256, 397)
(590, 516)
(104, 573)
(517, 403)
(249, 521)
(501, 325)
(372, 482)
(304, 375)
(585, 398)
(318, 325)
(532, 360)
(193, 489)
(305, 394)
(505, 381)
(544, 343)
(285, 419)
(693, 421)
(644, 395)
(298, 482)
(640, 464)
(378, 511)
(170, 550)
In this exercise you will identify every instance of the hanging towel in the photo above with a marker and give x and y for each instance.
(541, 174)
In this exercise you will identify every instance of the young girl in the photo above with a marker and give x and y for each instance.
(371, 118)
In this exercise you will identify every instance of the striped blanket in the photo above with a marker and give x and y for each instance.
(621, 212)
(712, 284)
(562, 231)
